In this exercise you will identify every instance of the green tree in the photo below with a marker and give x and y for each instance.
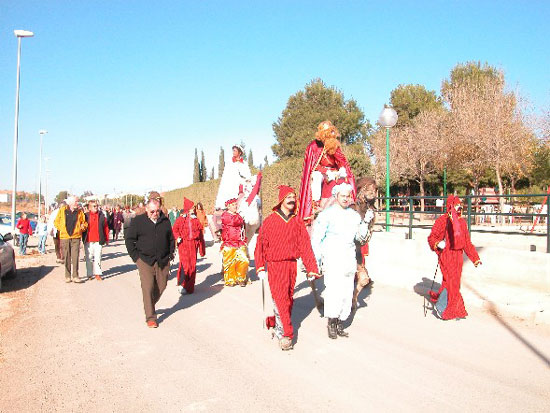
(540, 175)
(472, 73)
(266, 162)
(410, 100)
(297, 125)
(202, 169)
(196, 169)
(212, 174)
(61, 196)
(221, 163)
(250, 159)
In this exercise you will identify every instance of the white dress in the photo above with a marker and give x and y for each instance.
(234, 175)
(333, 242)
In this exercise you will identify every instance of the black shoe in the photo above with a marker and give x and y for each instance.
(340, 329)
(331, 327)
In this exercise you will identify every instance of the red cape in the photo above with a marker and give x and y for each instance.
(313, 152)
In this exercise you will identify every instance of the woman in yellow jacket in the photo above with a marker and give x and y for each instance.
(71, 222)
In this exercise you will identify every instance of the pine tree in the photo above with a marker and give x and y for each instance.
(221, 164)
(266, 162)
(212, 174)
(203, 171)
(196, 169)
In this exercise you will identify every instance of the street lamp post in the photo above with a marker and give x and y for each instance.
(387, 119)
(19, 34)
(42, 133)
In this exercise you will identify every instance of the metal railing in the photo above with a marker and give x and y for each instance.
(523, 210)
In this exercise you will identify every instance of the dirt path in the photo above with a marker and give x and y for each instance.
(68, 347)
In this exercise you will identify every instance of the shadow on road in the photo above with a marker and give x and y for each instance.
(119, 270)
(112, 255)
(25, 278)
(493, 311)
(203, 291)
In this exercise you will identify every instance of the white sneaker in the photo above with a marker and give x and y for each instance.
(182, 290)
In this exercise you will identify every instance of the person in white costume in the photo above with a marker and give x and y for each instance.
(235, 176)
(334, 233)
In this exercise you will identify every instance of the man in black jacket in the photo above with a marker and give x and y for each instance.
(151, 245)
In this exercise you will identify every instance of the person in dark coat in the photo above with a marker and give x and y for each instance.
(150, 244)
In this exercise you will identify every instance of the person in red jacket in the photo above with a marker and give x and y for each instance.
(283, 239)
(25, 231)
(188, 233)
(235, 258)
(449, 238)
(94, 238)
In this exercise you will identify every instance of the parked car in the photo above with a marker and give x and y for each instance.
(7, 258)
(5, 224)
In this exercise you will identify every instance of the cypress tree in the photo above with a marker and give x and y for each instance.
(221, 164)
(196, 169)
(203, 171)
(250, 159)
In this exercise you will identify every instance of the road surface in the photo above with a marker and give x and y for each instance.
(70, 347)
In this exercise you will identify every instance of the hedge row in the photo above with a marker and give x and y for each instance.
(286, 172)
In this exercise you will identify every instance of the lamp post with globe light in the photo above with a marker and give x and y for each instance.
(387, 119)
(19, 34)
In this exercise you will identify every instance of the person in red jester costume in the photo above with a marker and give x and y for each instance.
(449, 238)
(324, 164)
(188, 232)
(283, 239)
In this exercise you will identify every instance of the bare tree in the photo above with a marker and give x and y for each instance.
(487, 128)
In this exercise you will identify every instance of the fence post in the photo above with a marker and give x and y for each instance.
(411, 206)
(469, 213)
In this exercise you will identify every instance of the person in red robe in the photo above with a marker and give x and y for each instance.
(449, 238)
(324, 164)
(188, 233)
(283, 239)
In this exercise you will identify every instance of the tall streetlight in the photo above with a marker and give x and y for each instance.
(42, 133)
(19, 34)
(387, 119)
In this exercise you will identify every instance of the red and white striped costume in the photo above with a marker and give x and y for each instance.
(281, 241)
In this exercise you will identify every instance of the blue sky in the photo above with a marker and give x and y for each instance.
(128, 89)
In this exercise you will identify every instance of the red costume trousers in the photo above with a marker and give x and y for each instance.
(187, 269)
(451, 268)
(282, 279)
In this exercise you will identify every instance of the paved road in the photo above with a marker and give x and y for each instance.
(68, 347)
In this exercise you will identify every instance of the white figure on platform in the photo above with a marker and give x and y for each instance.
(236, 175)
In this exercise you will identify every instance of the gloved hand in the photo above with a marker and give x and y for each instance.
(262, 275)
(369, 215)
(178, 240)
(441, 244)
(342, 172)
(312, 276)
(331, 175)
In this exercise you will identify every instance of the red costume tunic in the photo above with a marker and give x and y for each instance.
(318, 160)
(281, 241)
(453, 229)
(232, 230)
(189, 229)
